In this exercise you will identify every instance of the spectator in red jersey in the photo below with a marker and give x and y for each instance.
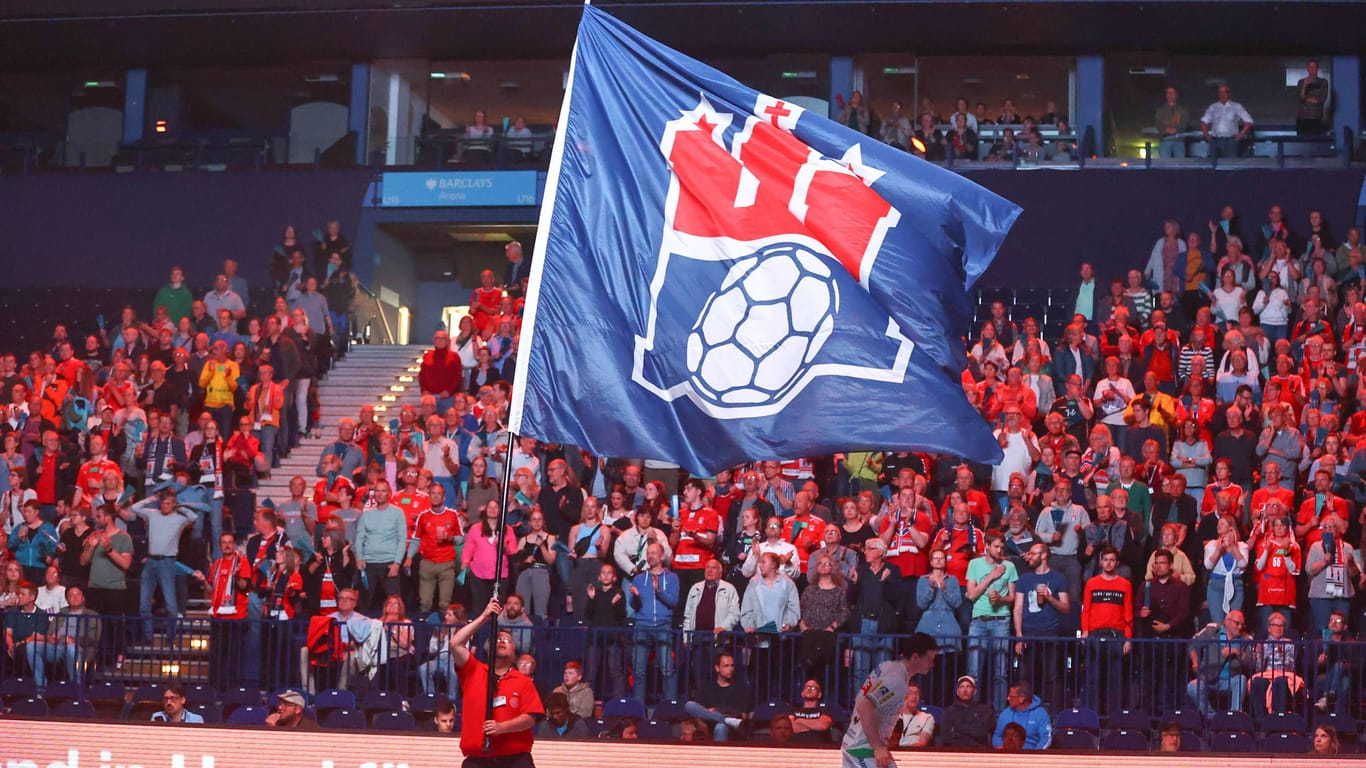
(441, 374)
(978, 503)
(694, 539)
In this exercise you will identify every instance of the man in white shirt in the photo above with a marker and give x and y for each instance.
(1225, 124)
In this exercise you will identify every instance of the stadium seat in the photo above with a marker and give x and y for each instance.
(1191, 741)
(1232, 741)
(201, 694)
(207, 710)
(30, 707)
(329, 700)
(59, 691)
(393, 721)
(145, 700)
(16, 688)
(1079, 718)
(380, 701)
(1285, 743)
(1075, 739)
(107, 697)
(423, 706)
(1231, 722)
(1284, 722)
(765, 712)
(248, 714)
(624, 707)
(656, 730)
(74, 709)
(1032, 295)
(1126, 740)
(669, 710)
(1188, 719)
(595, 726)
(344, 720)
(241, 697)
(1131, 720)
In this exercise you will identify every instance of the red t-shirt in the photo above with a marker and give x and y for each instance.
(978, 504)
(413, 503)
(514, 694)
(434, 531)
(46, 487)
(92, 474)
(1309, 512)
(1276, 586)
(961, 545)
(805, 535)
(691, 555)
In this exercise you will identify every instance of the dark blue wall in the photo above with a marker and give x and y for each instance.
(1113, 217)
(126, 230)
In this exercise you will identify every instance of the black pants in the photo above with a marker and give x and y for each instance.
(522, 760)
(381, 585)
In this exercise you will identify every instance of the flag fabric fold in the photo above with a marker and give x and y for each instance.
(720, 275)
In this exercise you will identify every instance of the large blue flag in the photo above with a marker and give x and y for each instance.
(721, 276)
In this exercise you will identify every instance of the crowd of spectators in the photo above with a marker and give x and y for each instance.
(1180, 489)
(957, 135)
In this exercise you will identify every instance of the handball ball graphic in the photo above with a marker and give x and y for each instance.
(762, 328)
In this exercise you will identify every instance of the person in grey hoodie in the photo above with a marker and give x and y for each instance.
(1023, 707)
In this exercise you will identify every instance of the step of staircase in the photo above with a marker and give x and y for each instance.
(384, 376)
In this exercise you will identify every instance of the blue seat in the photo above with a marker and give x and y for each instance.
(381, 701)
(1125, 740)
(241, 697)
(670, 710)
(1188, 719)
(59, 691)
(250, 715)
(656, 730)
(765, 712)
(624, 707)
(74, 709)
(1231, 741)
(595, 726)
(208, 710)
(344, 720)
(425, 704)
(328, 700)
(17, 688)
(1192, 741)
(201, 694)
(1079, 718)
(393, 721)
(1231, 722)
(1130, 720)
(30, 707)
(1283, 722)
(1076, 739)
(1285, 743)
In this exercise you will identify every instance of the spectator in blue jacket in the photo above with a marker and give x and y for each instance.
(33, 543)
(1023, 707)
(654, 593)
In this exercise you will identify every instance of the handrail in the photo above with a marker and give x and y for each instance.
(379, 309)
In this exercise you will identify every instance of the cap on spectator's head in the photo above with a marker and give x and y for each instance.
(293, 697)
(1015, 409)
(967, 678)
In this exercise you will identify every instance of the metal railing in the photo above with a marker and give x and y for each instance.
(1105, 674)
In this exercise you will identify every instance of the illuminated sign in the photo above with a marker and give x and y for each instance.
(455, 189)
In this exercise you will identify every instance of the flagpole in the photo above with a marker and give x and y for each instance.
(498, 558)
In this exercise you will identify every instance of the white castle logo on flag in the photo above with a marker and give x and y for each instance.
(785, 218)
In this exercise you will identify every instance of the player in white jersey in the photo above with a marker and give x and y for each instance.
(879, 701)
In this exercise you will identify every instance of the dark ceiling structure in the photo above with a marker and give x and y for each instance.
(38, 35)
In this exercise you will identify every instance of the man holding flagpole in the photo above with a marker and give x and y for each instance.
(496, 732)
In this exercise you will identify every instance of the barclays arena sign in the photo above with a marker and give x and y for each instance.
(458, 189)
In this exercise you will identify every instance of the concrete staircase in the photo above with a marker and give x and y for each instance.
(384, 376)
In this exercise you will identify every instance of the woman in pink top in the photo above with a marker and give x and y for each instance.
(478, 554)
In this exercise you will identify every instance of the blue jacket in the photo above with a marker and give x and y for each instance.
(34, 551)
(1038, 726)
(654, 609)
